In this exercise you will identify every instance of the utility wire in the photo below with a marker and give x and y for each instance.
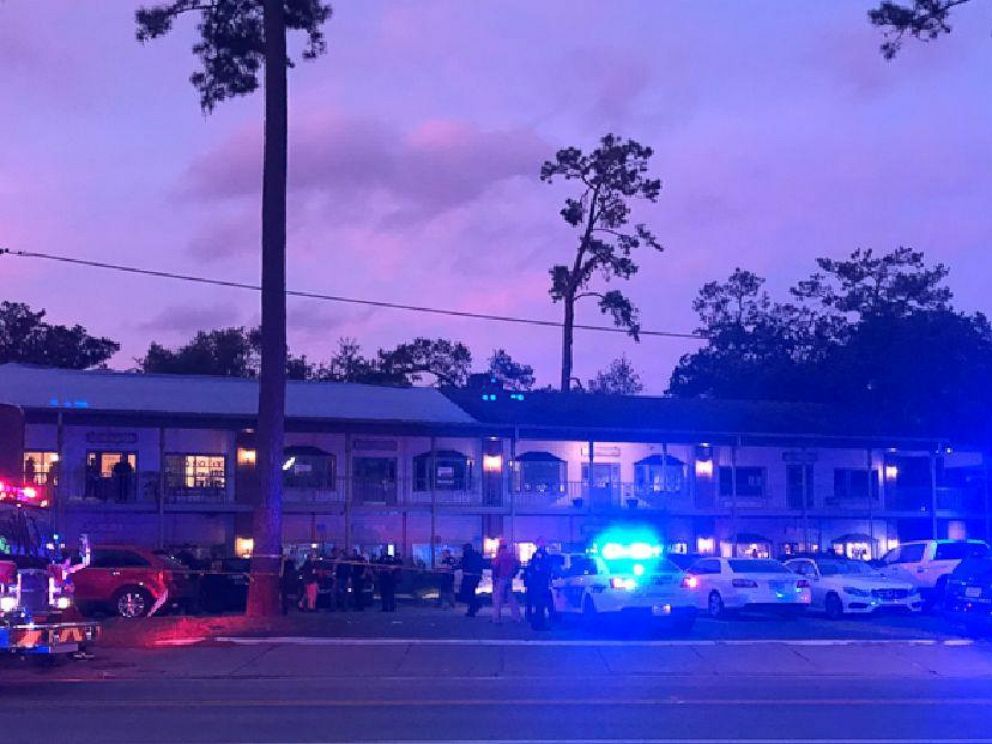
(338, 298)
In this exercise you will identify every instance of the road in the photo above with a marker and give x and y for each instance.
(834, 682)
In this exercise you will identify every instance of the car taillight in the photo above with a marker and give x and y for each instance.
(622, 583)
(690, 582)
(802, 584)
(161, 577)
(745, 584)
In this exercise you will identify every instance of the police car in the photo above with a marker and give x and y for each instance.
(621, 579)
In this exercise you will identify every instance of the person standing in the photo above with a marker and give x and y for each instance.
(538, 580)
(505, 569)
(308, 573)
(359, 579)
(472, 565)
(446, 580)
(388, 575)
(289, 583)
(342, 579)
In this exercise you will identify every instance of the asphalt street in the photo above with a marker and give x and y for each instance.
(473, 681)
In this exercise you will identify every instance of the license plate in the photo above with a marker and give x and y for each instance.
(973, 591)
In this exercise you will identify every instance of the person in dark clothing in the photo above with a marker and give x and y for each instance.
(472, 565)
(342, 575)
(289, 584)
(446, 580)
(537, 579)
(359, 579)
(122, 473)
(388, 576)
(308, 575)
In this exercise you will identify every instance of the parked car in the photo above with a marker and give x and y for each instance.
(840, 585)
(130, 581)
(685, 561)
(728, 584)
(225, 589)
(968, 600)
(592, 586)
(927, 564)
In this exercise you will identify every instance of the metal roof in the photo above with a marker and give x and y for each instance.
(196, 395)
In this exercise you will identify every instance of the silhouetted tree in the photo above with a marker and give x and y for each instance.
(620, 378)
(448, 362)
(923, 19)
(26, 337)
(610, 178)
(237, 38)
(228, 352)
(510, 375)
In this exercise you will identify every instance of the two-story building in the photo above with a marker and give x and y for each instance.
(169, 460)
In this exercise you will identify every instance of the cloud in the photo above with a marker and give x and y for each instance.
(361, 167)
(187, 320)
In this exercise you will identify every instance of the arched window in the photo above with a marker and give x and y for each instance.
(540, 472)
(452, 471)
(659, 474)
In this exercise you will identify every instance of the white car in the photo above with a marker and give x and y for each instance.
(927, 564)
(841, 586)
(727, 584)
(593, 586)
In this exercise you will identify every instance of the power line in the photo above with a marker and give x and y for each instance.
(338, 298)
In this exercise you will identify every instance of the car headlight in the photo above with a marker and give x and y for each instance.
(855, 592)
(8, 604)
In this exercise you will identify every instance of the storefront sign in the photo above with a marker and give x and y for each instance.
(112, 437)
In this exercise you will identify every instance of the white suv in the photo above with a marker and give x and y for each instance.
(928, 563)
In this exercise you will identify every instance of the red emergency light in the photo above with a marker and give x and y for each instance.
(21, 495)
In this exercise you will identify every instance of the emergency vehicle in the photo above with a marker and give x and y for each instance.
(625, 576)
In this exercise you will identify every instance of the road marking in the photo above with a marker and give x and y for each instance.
(497, 702)
(322, 641)
(180, 641)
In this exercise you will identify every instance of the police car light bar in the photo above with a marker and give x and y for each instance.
(21, 496)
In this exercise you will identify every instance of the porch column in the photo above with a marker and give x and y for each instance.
(804, 485)
(430, 480)
(589, 477)
(507, 485)
(933, 494)
(348, 491)
(871, 505)
(733, 496)
(61, 473)
(161, 486)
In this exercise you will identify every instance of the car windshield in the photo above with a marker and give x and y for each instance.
(757, 565)
(846, 568)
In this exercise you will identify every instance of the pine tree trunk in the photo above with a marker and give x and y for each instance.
(263, 597)
(566, 345)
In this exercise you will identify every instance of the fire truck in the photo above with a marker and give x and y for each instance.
(37, 616)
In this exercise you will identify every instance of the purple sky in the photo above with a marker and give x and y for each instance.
(781, 134)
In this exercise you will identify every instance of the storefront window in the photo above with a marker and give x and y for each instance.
(540, 472)
(190, 472)
(111, 475)
(40, 467)
(750, 481)
(452, 471)
(309, 467)
(659, 474)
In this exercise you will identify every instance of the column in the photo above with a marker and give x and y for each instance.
(933, 495)
(431, 477)
(61, 473)
(871, 505)
(507, 485)
(161, 486)
(733, 496)
(348, 491)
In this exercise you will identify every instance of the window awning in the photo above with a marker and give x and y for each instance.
(660, 460)
(444, 455)
(538, 457)
(304, 450)
(750, 537)
(853, 537)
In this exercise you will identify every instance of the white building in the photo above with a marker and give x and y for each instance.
(169, 460)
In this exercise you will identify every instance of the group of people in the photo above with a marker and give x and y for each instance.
(347, 579)
(537, 576)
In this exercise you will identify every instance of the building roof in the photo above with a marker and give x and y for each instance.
(197, 395)
(619, 417)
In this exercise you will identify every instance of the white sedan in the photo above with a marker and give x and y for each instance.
(843, 586)
(592, 586)
(727, 584)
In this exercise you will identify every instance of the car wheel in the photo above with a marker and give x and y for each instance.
(132, 601)
(716, 607)
(833, 606)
